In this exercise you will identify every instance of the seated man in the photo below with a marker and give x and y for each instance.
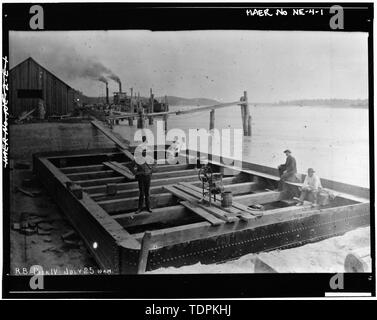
(288, 170)
(310, 187)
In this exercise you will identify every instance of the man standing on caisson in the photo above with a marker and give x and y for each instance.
(143, 168)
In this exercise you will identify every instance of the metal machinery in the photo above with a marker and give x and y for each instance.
(212, 183)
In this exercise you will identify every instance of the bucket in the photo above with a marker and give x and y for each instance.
(226, 200)
(323, 198)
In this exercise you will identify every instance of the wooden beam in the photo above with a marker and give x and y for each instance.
(101, 189)
(243, 187)
(101, 167)
(226, 181)
(157, 175)
(101, 181)
(91, 175)
(193, 198)
(82, 169)
(200, 109)
(125, 193)
(143, 255)
(180, 194)
(212, 119)
(238, 210)
(259, 198)
(249, 171)
(117, 167)
(203, 213)
(228, 214)
(109, 134)
(131, 204)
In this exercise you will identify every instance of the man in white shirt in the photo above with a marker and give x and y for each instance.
(310, 187)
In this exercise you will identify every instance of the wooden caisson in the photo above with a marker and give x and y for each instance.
(182, 229)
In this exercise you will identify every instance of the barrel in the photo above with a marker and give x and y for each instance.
(226, 200)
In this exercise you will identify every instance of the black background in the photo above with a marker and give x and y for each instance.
(113, 16)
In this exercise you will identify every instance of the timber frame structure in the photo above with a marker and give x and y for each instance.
(97, 192)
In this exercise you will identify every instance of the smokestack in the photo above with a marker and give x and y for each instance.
(107, 93)
(120, 86)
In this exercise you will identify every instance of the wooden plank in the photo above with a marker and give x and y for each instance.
(242, 213)
(219, 213)
(193, 198)
(180, 194)
(124, 171)
(201, 212)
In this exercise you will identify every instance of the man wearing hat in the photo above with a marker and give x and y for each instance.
(143, 168)
(288, 170)
(310, 187)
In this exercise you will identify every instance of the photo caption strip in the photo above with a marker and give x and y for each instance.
(5, 110)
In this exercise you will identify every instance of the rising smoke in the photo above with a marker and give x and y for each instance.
(102, 79)
(60, 59)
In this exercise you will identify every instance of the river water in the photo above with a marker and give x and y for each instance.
(334, 141)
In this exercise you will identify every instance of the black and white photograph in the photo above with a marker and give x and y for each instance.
(147, 152)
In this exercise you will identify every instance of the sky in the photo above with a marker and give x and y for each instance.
(269, 65)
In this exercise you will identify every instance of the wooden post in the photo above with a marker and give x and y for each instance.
(249, 125)
(151, 107)
(131, 101)
(165, 118)
(140, 119)
(166, 104)
(152, 102)
(144, 251)
(212, 119)
(247, 115)
(243, 115)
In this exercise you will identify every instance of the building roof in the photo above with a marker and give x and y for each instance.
(33, 60)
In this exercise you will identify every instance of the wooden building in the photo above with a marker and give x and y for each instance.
(29, 83)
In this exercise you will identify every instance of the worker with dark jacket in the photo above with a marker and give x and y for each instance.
(288, 170)
(143, 169)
